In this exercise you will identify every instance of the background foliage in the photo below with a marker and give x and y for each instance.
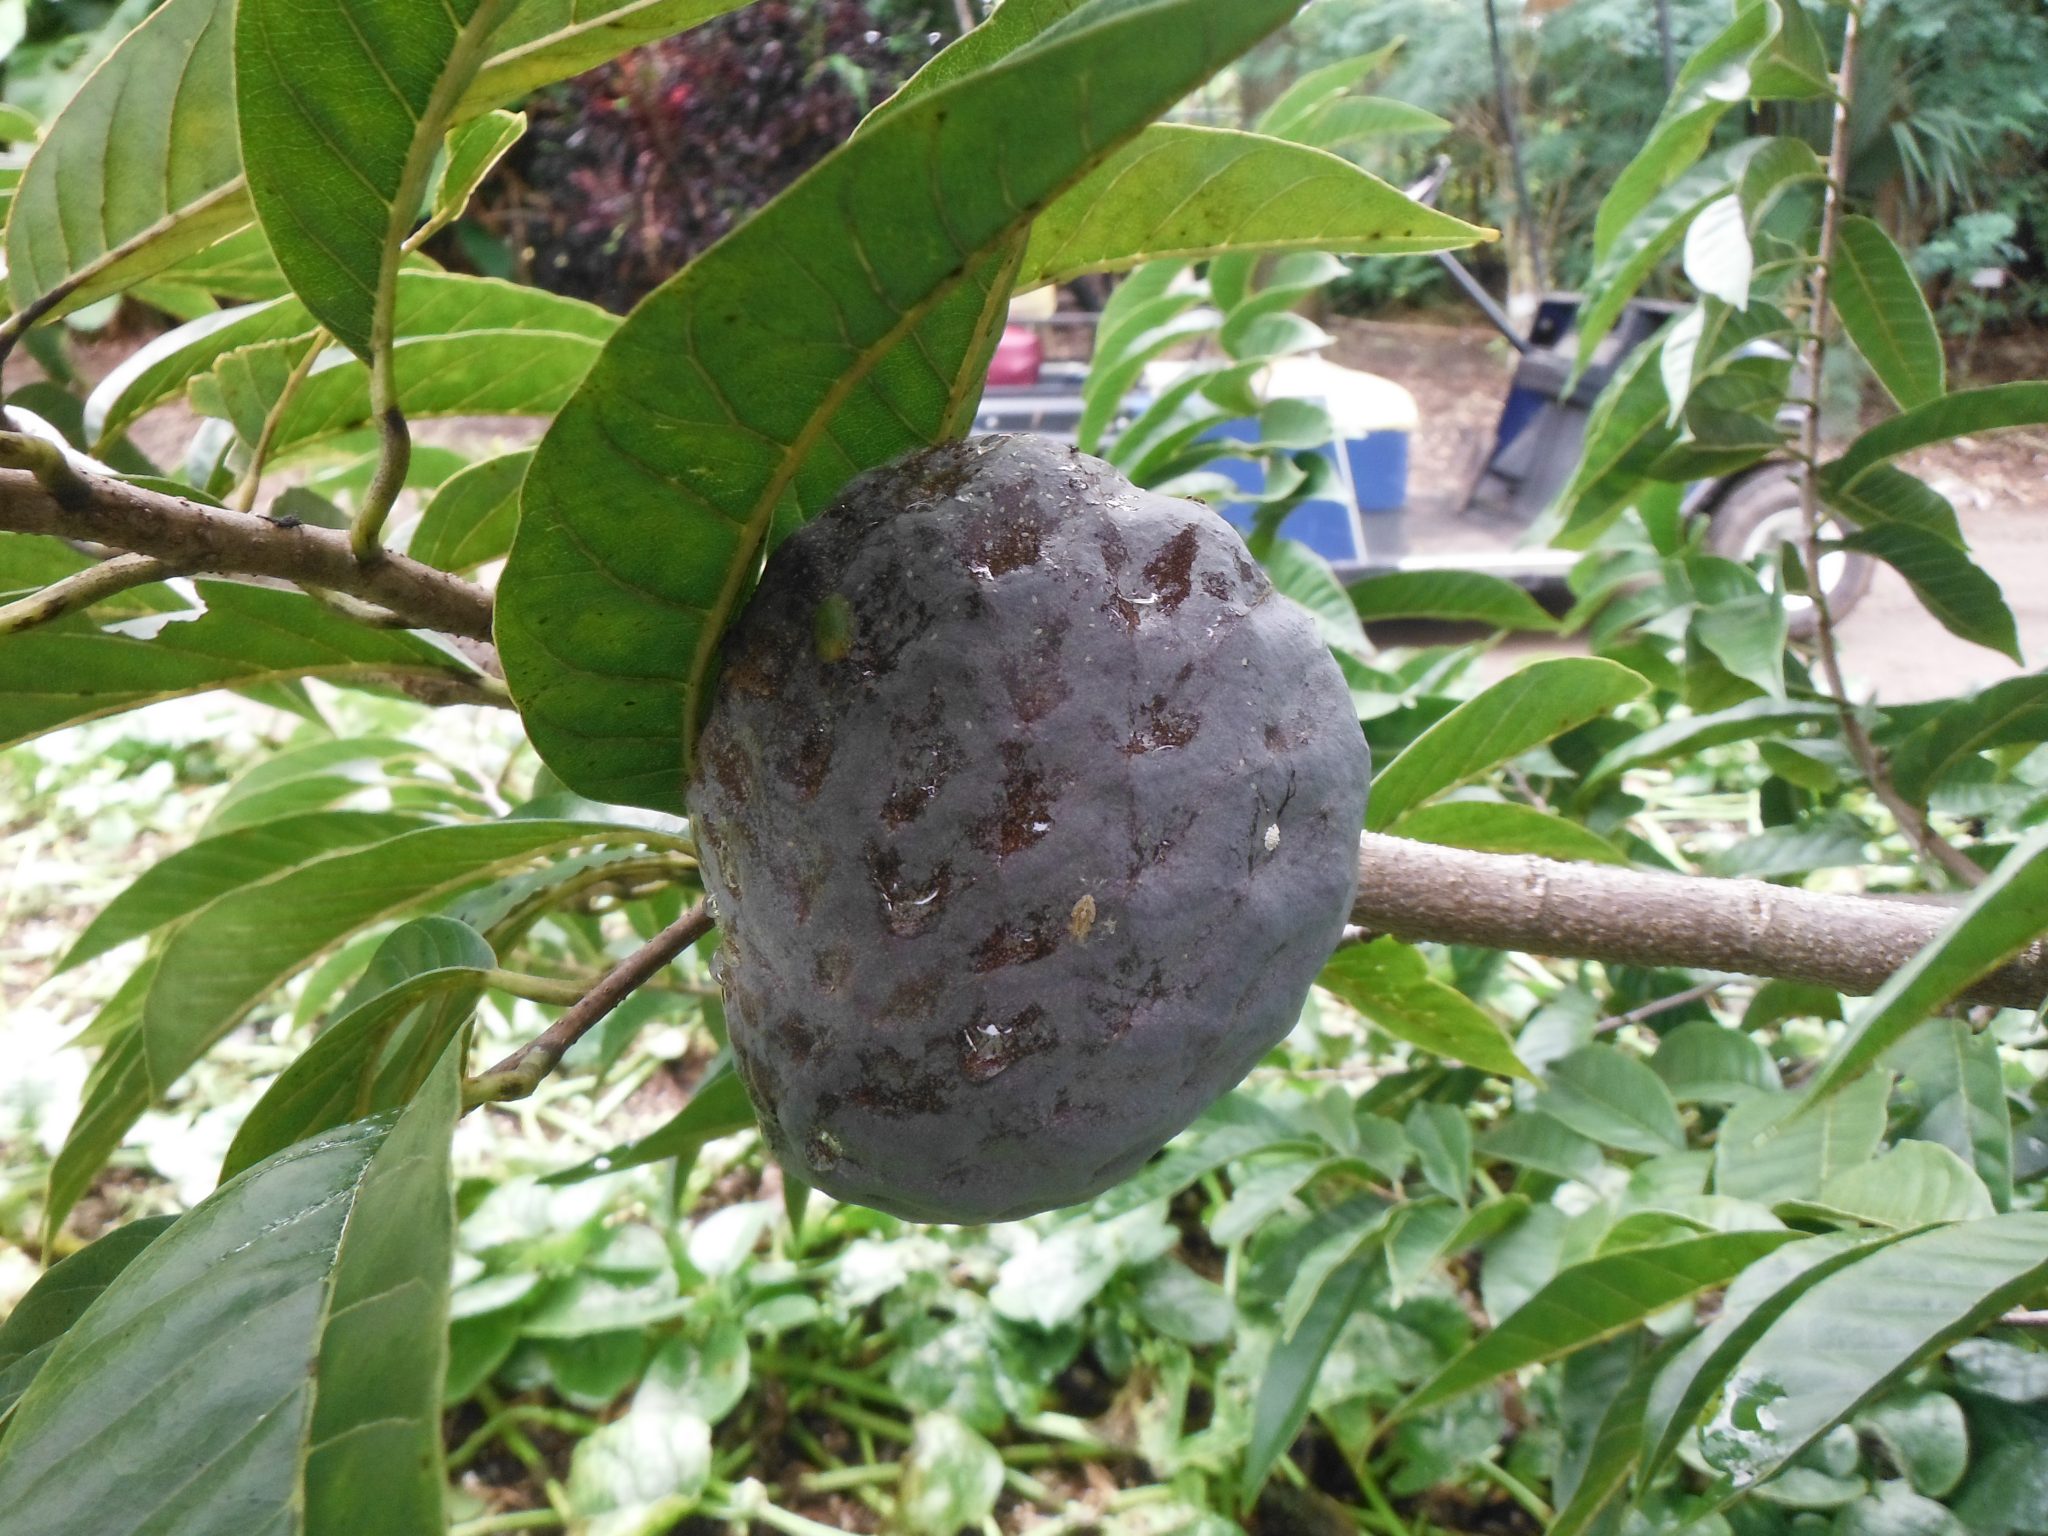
(1493, 1242)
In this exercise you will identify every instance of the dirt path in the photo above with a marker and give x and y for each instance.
(1999, 486)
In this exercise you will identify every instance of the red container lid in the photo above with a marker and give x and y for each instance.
(1018, 357)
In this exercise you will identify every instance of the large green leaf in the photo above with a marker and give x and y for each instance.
(1858, 1330)
(274, 1354)
(343, 105)
(2002, 916)
(2015, 710)
(1915, 1184)
(1184, 192)
(726, 397)
(543, 41)
(718, 1107)
(1970, 410)
(1886, 315)
(1755, 1299)
(1534, 705)
(467, 346)
(1389, 982)
(1603, 1093)
(1770, 1149)
(1461, 597)
(1616, 1447)
(1766, 51)
(62, 673)
(140, 169)
(1886, 495)
(1498, 826)
(60, 1298)
(471, 519)
(159, 371)
(244, 945)
(1295, 1364)
(188, 879)
(1950, 585)
(1954, 1085)
(1597, 1300)
(1691, 733)
(382, 1041)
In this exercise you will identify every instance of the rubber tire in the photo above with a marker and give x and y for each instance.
(1753, 502)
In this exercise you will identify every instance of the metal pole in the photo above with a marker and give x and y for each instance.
(1504, 100)
(1664, 41)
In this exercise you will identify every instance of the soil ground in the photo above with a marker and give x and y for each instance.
(1999, 484)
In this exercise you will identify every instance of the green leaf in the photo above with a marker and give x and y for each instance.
(543, 41)
(1641, 249)
(343, 105)
(193, 876)
(57, 1301)
(1689, 734)
(238, 950)
(1955, 1087)
(2015, 710)
(1627, 434)
(381, 1043)
(1708, 1063)
(1755, 1299)
(639, 1474)
(1616, 1448)
(1305, 577)
(1846, 1339)
(1718, 259)
(1535, 1140)
(1770, 1148)
(1183, 193)
(313, 777)
(1010, 29)
(1320, 86)
(1442, 1138)
(159, 371)
(1491, 826)
(1535, 705)
(471, 519)
(1886, 495)
(718, 1107)
(1596, 1300)
(140, 169)
(1607, 1095)
(1389, 982)
(1459, 597)
(278, 1350)
(70, 671)
(1950, 585)
(951, 1478)
(2001, 917)
(1915, 1184)
(1291, 1371)
(1354, 120)
(471, 153)
(1990, 409)
(467, 346)
(2008, 1372)
(611, 653)
(1886, 314)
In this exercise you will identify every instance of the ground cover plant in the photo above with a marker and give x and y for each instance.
(1641, 1162)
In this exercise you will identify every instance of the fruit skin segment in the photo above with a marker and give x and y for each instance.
(1030, 812)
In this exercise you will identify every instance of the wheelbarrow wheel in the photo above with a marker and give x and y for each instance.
(1759, 516)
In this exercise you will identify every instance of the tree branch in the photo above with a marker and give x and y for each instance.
(1425, 893)
(198, 539)
(81, 590)
(1421, 892)
(521, 1072)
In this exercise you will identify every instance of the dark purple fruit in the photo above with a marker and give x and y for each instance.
(1030, 812)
